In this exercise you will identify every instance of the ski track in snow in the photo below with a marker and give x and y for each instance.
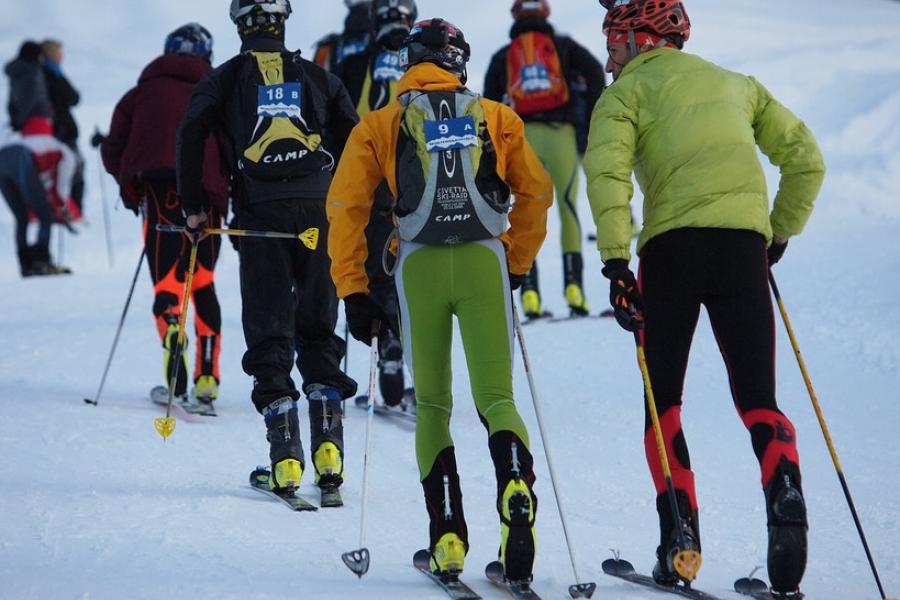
(94, 505)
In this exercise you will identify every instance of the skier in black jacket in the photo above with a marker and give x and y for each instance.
(371, 79)
(332, 49)
(285, 120)
(552, 82)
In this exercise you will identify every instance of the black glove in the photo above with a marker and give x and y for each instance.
(516, 281)
(361, 311)
(97, 138)
(776, 250)
(626, 300)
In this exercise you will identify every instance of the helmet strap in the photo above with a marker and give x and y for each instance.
(631, 45)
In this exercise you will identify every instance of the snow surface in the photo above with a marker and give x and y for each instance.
(94, 505)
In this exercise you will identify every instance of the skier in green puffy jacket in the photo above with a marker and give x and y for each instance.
(689, 130)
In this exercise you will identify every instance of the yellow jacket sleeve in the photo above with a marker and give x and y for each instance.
(523, 172)
(349, 206)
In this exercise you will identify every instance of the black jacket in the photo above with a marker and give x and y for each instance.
(28, 95)
(576, 62)
(219, 104)
(63, 97)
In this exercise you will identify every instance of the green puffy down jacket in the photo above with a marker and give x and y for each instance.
(689, 130)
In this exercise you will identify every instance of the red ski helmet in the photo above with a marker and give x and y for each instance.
(530, 8)
(665, 18)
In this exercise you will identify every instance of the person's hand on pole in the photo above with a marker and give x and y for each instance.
(361, 312)
(776, 250)
(194, 224)
(624, 296)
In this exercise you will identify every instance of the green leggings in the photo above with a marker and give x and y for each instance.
(555, 145)
(469, 281)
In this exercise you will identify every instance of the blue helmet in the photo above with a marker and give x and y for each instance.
(193, 38)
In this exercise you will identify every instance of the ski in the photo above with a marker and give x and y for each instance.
(451, 584)
(544, 316)
(259, 481)
(330, 498)
(404, 411)
(521, 590)
(759, 589)
(624, 570)
(604, 314)
(160, 395)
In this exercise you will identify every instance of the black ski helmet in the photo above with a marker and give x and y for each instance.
(437, 41)
(193, 38)
(257, 16)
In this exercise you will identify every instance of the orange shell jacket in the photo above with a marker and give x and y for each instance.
(370, 157)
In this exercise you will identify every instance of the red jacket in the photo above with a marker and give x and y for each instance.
(142, 133)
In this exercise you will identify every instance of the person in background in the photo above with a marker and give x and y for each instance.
(551, 81)
(63, 96)
(28, 94)
(332, 49)
(371, 79)
(140, 153)
(691, 131)
(20, 185)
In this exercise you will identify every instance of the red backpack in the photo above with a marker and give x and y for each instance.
(536, 80)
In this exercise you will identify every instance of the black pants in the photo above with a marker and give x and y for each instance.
(726, 271)
(288, 294)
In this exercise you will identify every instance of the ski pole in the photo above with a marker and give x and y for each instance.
(346, 344)
(577, 590)
(821, 417)
(310, 237)
(105, 204)
(115, 343)
(687, 562)
(166, 425)
(358, 560)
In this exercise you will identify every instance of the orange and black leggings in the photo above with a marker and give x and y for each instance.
(167, 257)
(726, 271)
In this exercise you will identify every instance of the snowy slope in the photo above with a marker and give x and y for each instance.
(94, 505)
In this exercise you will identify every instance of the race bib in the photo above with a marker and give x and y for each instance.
(387, 67)
(535, 78)
(450, 134)
(352, 48)
(279, 100)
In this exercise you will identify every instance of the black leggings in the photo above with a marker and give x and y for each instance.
(726, 271)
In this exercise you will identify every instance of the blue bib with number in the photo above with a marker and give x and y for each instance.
(450, 134)
(535, 78)
(279, 100)
(387, 67)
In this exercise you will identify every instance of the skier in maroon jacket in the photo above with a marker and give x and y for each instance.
(140, 153)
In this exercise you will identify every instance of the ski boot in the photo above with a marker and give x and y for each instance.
(206, 381)
(786, 511)
(285, 447)
(39, 263)
(327, 433)
(516, 505)
(573, 266)
(447, 529)
(665, 572)
(174, 357)
(390, 368)
(448, 556)
(531, 297)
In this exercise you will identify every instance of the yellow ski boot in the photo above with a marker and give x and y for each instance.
(171, 354)
(206, 387)
(448, 555)
(286, 475)
(578, 305)
(329, 465)
(531, 304)
(517, 538)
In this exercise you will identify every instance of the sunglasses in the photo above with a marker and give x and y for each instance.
(609, 4)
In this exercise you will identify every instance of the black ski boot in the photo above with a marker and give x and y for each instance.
(516, 505)
(786, 511)
(326, 430)
(285, 447)
(390, 368)
(664, 572)
(447, 530)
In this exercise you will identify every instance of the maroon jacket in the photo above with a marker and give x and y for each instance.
(141, 136)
